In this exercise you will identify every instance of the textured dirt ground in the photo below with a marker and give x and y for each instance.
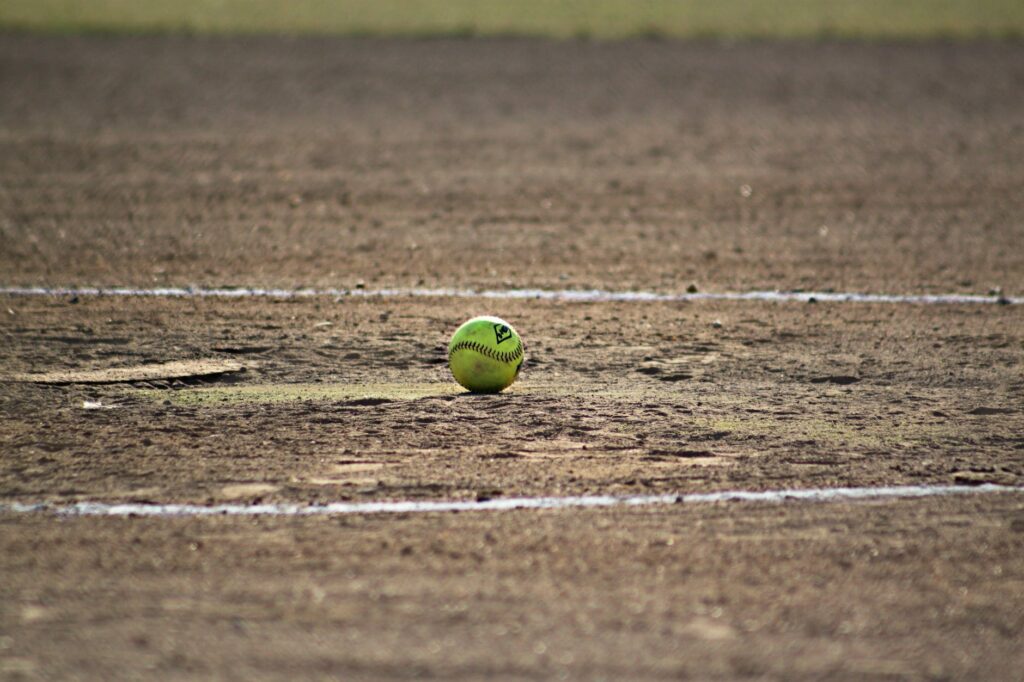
(495, 163)
(916, 590)
(513, 163)
(353, 399)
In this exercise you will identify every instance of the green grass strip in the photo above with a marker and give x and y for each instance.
(602, 19)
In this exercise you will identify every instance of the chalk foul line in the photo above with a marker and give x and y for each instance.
(504, 504)
(565, 295)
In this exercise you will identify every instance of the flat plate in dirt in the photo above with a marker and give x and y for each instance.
(182, 369)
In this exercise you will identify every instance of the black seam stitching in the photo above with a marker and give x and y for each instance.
(508, 356)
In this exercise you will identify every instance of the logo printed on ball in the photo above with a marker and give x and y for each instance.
(501, 333)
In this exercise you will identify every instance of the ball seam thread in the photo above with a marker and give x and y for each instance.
(509, 356)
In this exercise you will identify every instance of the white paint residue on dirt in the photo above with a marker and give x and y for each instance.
(565, 295)
(507, 504)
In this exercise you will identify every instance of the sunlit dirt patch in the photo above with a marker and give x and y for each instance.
(288, 393)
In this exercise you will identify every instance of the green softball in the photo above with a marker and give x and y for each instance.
(485, 354)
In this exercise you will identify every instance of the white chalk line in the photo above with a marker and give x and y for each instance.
(504, 504)
(564, 295)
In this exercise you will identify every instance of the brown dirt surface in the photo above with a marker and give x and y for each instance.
(917, 590)
(495, 163)
(284, 162)
(352, 399)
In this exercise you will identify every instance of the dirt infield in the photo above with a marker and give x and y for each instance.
(497, 163)
(366, 164)
(352, 399)
(916, 591)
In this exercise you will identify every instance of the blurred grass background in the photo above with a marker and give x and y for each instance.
(602, 19)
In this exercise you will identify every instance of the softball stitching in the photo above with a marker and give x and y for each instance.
(507, 356)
